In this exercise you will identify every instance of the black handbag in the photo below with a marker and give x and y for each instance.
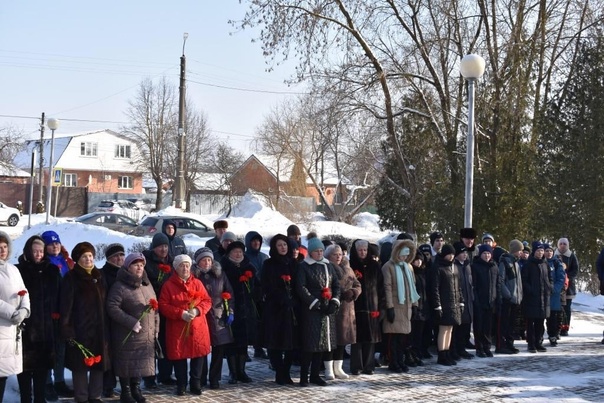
(159, 352)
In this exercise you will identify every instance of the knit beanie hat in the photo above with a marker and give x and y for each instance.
(235, 245)
(485, 248)
(159, 239)
(460, 248)
(50, 237)
(488, 236)
(314, 244)
(447, 250)
(515, 246)
(434, 236)
(134, 257)
(228, 235)
(180, 259)
(113, 249)
(82, 248)
(537, 245)
(403, 236)
(201, 253)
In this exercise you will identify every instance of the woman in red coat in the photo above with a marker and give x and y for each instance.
(184, 302)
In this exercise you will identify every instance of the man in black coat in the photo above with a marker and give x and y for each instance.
(220, 227)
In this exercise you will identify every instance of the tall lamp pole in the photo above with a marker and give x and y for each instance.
(53, 124)
(472, 68)
(180, 180)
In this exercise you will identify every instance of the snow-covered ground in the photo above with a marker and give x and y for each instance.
(252, 214)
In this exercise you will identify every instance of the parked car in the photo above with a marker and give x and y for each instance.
(123, 207)
(9, 215)
(113, 221)
(144, 204)
(186, 225)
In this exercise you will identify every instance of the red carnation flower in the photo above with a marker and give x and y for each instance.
(55, 315)
(22, 293)
(153, 304)
(326, 293)
(226, 295)
(248, 274)
(375, 314)
(242, 279)
(89, 361)
(97, 359)
(286, 277)
(358, 274)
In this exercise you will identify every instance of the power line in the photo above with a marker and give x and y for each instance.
(63, 119)
(248, 89)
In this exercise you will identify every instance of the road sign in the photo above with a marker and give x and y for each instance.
(57, 174)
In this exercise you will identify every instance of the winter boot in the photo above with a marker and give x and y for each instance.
(232, 364)
(241, 375)
(442, 359)
(409, 361)
(416, 357)
(338, 371)
(126, 394)
(329, 376)
(135, 389)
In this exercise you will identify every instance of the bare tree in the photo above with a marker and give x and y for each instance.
(11, 142)
(224, 160)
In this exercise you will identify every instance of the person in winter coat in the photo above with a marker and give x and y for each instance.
(447, 300)
(132, 307)
(536, 288)
(280, 308)
(461, 333)
(220, 317)
(318, 287)
(83, 323)
(558, 277)
(220, 227)
(571, 265)
(253, 243)
(246, 290)
(420, 315)
(185, 302)
(485, 279)
(176, 245)
(14, 309)
(401, 296)
(114, 255)
(510, 289)
(346, 327)
(159, 270)
(366, 307)
(42, 280)
(58, 256)
(227, 238)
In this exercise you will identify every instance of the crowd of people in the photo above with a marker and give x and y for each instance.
(155, 317)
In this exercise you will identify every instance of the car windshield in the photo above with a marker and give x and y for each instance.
(149, 222)
(84, 217)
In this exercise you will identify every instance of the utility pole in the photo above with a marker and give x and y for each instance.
(180, 180)
(41, 154)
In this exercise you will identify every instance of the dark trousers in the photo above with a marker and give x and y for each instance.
(506, 320)
(215, 369)
(534, 332)
(87, 385)
(2, 387)
(567, 313)
(553, 323)
(397, 344)
(417, 334)
(281, 361)
(461, 336)
(362, 357)
(180, 369)
(483, 320)
(59, 369)
(314, 360)
(109, 380)
(38, 378)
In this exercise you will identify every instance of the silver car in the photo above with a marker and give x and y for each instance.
(185, 225)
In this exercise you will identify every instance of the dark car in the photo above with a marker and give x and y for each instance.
(112, 221)
(186, 225)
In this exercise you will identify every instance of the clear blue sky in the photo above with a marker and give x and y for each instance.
(85, 60)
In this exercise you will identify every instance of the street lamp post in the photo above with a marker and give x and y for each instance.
(472, 68)
(53, 124)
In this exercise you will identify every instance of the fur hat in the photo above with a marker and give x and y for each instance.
(314, 244)
(50, 237)
(134, 257)
(515, 246)
(201, 253)
(221, 224)
(178, 260)
(447, 250)
(113, 249)
(485, 248)
(159, 239)
(82, 248)
(228, 235)
(235, 245)
(469, 233)
(434, 236)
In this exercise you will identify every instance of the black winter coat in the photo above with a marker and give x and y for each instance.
(281, 306)
(216, 283)
(485, 279)
(467, 291)
(109, 272)
(422, 312)
(177, 245)
(153, 272)
(246, 319)
(368, 324)
(83, 318)
(318, 328)
(42, 281)
(536, 288)
(446, 292)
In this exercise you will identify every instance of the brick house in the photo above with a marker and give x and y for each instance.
(103, 161)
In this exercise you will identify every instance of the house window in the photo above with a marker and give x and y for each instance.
(70, 180)
(122, 151)
(125, 182)
(88, 149)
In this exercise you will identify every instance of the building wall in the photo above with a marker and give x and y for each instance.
(104, 182)
(254, 176)
(66, 202)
